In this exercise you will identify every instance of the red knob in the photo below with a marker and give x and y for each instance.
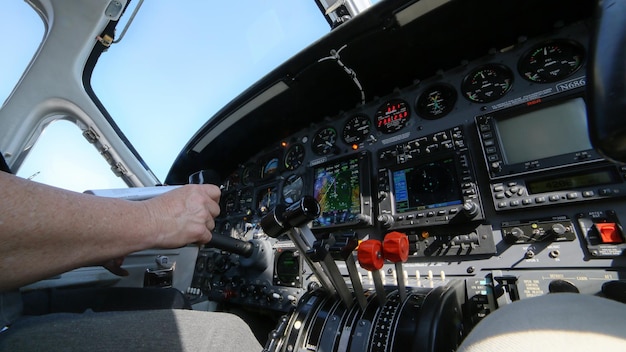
(370, 255)
(396, 247)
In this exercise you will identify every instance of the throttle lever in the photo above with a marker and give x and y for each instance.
(321, 252)
(293, 220)
(370, 255)
(343, 250)
(396, 250)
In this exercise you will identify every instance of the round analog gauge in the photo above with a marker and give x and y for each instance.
(436, 101)
(324, 141)
(392, 116)
(294, 157)
(245, 200)
(270, 168)
(551, 61)
(487, 83)
(230, 203)
(247, 174)
(267, 200)
(356, 129)
(292, 189)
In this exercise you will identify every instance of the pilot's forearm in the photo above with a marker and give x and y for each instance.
(45, 231)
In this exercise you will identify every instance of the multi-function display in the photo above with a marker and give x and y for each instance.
(337, 188)
(427, 186)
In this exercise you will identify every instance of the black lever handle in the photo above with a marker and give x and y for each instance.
(224, 243)
(231, 245)
(282, 219)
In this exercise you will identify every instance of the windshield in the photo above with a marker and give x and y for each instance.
(177, 65)
(180, 62)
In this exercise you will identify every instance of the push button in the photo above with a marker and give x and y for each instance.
(609, 232)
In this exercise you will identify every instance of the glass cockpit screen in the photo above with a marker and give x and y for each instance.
(426, 186)
(552, 131)
(337, 188)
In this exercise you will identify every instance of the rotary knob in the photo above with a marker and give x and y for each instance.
(515, 234)
(386, 220)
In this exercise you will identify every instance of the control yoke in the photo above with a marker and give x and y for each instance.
(231, 245)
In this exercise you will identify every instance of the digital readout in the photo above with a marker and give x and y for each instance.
(392, 116)
(571, 182)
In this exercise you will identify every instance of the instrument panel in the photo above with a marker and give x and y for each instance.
(486, 166)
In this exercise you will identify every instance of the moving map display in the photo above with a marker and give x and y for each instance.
(337, 189)
(427, 186)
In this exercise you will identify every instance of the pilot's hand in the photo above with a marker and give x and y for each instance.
(184, 215)
(115, 266)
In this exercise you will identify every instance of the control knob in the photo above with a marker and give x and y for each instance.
(386, 220)
(514, 235)
(470, 209)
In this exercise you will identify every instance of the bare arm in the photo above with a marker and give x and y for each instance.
(46, 231)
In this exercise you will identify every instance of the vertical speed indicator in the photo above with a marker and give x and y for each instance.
(392, 116)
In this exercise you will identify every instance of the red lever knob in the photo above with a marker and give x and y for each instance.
(370, 255)
(396, 247)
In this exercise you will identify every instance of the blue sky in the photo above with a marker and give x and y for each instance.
(178, 64)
